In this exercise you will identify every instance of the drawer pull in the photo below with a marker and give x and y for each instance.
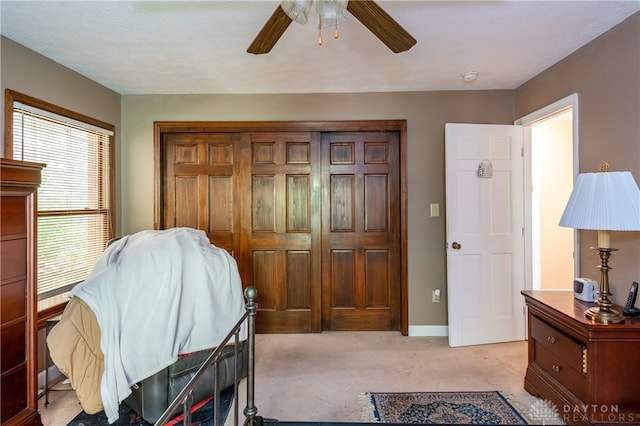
(551, 339)
(556, 368)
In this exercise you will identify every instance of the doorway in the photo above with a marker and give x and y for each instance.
(551, 165)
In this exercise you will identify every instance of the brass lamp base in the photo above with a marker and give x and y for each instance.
(603, 312)
(604, 316)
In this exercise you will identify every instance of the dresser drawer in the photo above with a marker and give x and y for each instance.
(13, 210)
(573, 380)
(568, 351)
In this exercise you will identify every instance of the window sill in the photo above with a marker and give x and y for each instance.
(51, 307)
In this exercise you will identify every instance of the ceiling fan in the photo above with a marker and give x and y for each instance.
(368, 12)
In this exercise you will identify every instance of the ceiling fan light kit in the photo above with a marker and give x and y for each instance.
(331, 13)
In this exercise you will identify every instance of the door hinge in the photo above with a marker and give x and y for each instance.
(522, 152)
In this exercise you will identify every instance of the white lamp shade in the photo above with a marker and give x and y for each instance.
(603, 201)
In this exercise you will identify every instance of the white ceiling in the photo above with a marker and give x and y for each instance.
(198, 47)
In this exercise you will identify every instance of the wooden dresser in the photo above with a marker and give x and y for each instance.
(591, 372)
(18, 312)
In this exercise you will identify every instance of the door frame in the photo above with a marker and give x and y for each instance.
(527, 122)
(160, 128)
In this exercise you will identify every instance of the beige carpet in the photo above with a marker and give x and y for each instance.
(317, 377)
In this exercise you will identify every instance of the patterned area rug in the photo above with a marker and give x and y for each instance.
(202, 415)
(451, 408)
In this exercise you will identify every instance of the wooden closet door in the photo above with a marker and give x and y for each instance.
(200, 172)
(281, 239)
(361, 231)
(312, 215)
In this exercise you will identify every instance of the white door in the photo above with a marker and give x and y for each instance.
(485, 226)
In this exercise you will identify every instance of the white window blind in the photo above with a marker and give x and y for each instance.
(74, 206)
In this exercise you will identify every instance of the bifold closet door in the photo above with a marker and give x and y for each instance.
(199, 186)
(361, 231)
(313, 220)
(281, 228)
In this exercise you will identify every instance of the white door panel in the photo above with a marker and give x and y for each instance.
(485, 216)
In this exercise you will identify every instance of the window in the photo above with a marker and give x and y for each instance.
(75, 196)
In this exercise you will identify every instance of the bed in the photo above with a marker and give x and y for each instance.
(151, 298)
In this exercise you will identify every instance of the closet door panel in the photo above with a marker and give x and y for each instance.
(283, 215)
(361, 216)
(186, 205)
(299, 291)
(200, 178)
(221, 204)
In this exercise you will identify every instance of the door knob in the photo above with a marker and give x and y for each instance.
(456, 245)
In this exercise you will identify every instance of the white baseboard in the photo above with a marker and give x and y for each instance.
(428, 330)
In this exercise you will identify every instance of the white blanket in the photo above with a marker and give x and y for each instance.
(158, 294)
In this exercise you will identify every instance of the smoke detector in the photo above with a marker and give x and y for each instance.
(469, 76)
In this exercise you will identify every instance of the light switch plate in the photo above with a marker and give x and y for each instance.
(435, 209)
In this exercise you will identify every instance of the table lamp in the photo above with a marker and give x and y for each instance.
(604, 201)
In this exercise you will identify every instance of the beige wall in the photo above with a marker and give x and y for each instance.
(28, 72)
(426, 114)
(606, 75)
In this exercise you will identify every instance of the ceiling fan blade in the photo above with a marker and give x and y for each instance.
(381, 25)
(270, 32)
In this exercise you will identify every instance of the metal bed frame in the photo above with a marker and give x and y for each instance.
(185, 397)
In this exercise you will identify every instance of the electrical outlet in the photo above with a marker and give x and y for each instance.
(435, 296)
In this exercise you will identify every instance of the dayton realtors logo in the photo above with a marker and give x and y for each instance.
(597, 413)
(546, 413)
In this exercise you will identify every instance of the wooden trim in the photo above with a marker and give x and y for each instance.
(279, 126)
(20, 173)
(8, 124)
(404, 254)
(49, 313)
(12, 96)
(157, 174)
(32, 297)
(163, 127)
